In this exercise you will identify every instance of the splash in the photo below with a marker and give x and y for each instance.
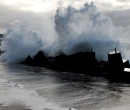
(28, 37)
(83, 29)
(68, 31)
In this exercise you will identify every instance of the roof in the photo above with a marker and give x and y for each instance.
(126, 69)
(113, 52)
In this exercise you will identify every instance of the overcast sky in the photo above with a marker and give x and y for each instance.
(11, 10)
(45, 5)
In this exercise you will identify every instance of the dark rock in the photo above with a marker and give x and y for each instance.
(40, 59)
(82, 61)
(115, 69)
(29, 60)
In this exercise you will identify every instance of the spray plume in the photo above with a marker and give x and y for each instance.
(69, 31)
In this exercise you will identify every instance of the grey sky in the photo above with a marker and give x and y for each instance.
(11, 10)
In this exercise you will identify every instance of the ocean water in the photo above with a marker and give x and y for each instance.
(33, 88)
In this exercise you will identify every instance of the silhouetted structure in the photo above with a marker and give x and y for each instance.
(115, 63)
(126, 63)
(85, 62)
(40, 59)
(29, 60)
(81, 61)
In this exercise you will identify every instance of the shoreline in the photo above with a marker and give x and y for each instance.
(14, 107)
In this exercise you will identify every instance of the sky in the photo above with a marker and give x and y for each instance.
(11, 10)
(47, 5)
(39, 24)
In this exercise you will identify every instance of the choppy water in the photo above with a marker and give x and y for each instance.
(44, 89)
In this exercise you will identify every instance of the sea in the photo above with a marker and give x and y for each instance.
(34, 88)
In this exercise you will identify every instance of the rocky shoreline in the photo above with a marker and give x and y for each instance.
(115, 68)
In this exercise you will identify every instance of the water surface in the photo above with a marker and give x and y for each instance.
(33, 88)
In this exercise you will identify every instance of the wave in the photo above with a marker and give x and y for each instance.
(68, 31)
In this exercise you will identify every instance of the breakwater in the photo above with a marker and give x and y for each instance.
(115, 68)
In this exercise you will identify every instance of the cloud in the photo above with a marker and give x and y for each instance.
(123, 0)
(22, 10)
(9, 15)
(13, 10)
(120, 17)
